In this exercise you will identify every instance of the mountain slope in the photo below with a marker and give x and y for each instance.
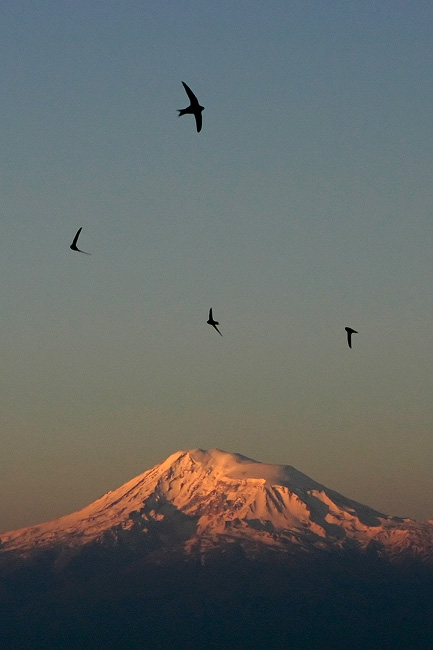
(199, 500)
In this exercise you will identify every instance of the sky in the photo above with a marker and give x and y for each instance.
(303, 206)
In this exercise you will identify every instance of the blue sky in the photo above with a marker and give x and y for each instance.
(303, 206)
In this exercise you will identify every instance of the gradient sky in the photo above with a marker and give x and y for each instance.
(304, 206)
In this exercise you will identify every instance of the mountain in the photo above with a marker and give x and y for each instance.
(210, 550)
(198, 500)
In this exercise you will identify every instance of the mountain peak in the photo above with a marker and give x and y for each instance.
(199, 499)
(237, 466)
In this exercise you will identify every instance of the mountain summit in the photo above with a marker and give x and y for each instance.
(200, 500)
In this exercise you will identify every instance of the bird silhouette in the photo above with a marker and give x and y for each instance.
(350, 331)
(213, 322)
(194, 108)
(73, 246)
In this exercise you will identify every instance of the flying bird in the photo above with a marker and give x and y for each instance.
(213, 322)
(350, 331)
(73, 246)
(194, 108)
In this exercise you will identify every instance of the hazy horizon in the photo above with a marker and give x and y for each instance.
(302, 207)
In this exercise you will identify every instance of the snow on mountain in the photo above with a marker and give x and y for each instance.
(200, 499)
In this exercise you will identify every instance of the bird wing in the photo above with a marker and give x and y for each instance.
(198, 120)
(74, 243)
(193, 99)
(217, 330)
(210, 314)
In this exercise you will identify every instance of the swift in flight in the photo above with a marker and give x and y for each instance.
(350, 331)
(213, 322)
(73, 246)
(194, 108)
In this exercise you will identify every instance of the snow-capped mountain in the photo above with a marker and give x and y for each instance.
(197, 500)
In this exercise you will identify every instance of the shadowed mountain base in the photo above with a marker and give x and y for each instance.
(221, 600)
